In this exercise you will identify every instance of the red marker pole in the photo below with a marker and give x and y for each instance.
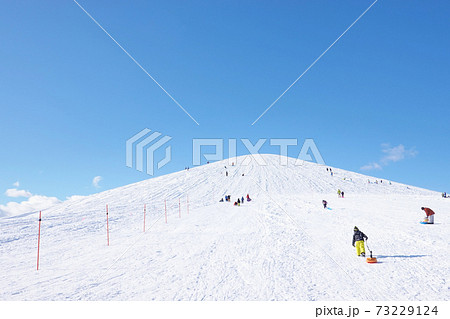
(39, 241)
(165, 210)
(179, 208)
(145, 206)
(107, 224)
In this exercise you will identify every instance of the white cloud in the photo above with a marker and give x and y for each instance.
(371, 166)
(14, 192)
(96, 181)
(16, 184)
(32, 204)
(392, 154)
(396, 153)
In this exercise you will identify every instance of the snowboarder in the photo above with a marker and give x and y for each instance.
(430, 215)
(339, 193)
(342, 194)
(242, 199)
(248, 198)
(358, 240)
(239, 201)
(324, 202)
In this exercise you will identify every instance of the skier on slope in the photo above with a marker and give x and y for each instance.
(339, 193)
(430, 214)
(358, 240)
(324, 203)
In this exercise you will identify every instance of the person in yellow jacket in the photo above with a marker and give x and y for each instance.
(358, 240)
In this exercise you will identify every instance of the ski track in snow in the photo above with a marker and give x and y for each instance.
(280, 246)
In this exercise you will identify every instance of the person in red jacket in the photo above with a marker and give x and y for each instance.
(430, 214)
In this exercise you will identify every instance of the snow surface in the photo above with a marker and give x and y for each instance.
(280, 246)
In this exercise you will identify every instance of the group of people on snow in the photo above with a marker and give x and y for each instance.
(241, 200)
(238, 202)
(340, 193)
(330, 170)
(359, 237)
(227, 198)
(376, 182)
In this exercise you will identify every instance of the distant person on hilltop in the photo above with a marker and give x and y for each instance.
(430, 215)
(358, 240)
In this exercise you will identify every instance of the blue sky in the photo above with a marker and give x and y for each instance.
(70, 97)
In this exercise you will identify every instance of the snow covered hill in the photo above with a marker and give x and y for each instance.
(283, 245)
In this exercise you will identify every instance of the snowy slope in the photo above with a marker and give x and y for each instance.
(281, 246)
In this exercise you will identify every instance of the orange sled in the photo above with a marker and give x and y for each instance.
(371, 259)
